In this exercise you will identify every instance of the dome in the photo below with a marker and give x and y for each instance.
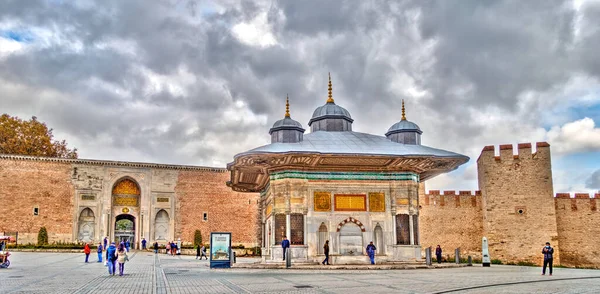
(405, 131)
(404, 126)
(287, 123)
(286, 130)
(330, 117)
(330, 110)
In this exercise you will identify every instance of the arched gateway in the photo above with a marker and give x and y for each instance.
(125, 205)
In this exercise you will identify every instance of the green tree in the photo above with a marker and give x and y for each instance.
(42, 236)
(197, 238)
(31, 137)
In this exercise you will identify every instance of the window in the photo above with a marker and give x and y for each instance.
(205, 216)
(297, 229)
(416, 228)
(279, 228)
(36, 211)
(402, 229)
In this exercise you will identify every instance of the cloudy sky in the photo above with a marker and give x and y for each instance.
(195, 82)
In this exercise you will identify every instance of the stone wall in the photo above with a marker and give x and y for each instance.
(25, 184)
(518, 202)
(200, 192)
(451, 221)
(578, 230)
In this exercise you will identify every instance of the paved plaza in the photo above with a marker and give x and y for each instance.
(149, 273)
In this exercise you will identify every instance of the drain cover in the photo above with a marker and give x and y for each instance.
(303, 286)
(15, 277)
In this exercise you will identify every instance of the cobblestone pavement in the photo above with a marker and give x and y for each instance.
(147, 273)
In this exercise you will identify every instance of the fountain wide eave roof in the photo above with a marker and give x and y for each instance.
(338, 151)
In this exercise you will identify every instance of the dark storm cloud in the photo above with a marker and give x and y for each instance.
(464, 57)
(593, 182)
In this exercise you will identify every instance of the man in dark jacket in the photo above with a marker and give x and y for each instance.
(547, 251)
(285, 244)
(326, 251)
(438, 254)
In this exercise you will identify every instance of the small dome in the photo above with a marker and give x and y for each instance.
(330, 110)
(404, 126)
(286, 123)
(286, 130)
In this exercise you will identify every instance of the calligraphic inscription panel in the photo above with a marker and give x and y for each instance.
(125, 200)
(377, 202)
(126, 187)
(322, 201)
(350, 202)
(162, 199)
(297, 201)
(88, 197)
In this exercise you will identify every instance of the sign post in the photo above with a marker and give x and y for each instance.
(220, 250)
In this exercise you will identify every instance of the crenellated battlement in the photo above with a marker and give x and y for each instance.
(580, 202)
(450, 198)
(577, 196)
(507, 152)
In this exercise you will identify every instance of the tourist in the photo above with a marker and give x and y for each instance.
(168, 247)
(143, 243)
(197, 251)
(371, 252)
(155, 247)
(438, 254)
(173, 248)
(87, 251)
(121, 258)
(111, 258)
(285, 244)
(178, 246)
(326, 251)
(203, 251)
(127, 245)
(547, 251)
(105, 242)
(100, 248)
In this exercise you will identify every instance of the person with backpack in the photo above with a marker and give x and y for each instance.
(371, 252)
(111, 258)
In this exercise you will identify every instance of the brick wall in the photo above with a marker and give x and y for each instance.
(578, 230)
(205, 191)
(451, 220)
(518, 202)
(25, 184)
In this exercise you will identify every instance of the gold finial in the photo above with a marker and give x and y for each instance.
(330, 99)
(403, 111)
(287, 105)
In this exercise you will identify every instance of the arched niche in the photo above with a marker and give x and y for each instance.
(322, 236)
(86, 223)
(351, 239)
(161, 225)
(378, 239)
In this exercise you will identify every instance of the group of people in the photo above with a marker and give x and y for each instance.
(174, 248)
(114, 255)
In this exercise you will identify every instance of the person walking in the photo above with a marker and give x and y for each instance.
(178, 244)
(105, 243)
(438, 254)
(326, 251)
(285, 244)
(100, 248)
(173, 248)
(547, 251)
(197, 251)
(168, 247)
(371, 252)
(87, 251)
(155, 247)
(122, 258)
(127, 245)
(143, 243)
(203, 251)
(111, 258)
